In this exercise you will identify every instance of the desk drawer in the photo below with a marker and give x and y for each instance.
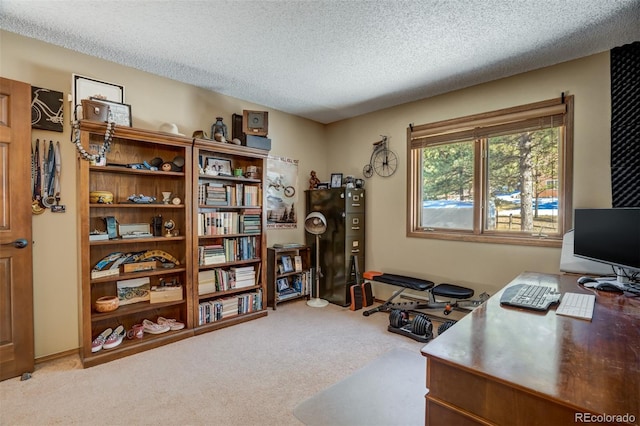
(486, 398)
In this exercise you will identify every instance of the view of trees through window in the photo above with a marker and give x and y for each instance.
(519, 189)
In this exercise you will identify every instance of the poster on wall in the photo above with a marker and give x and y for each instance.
(282, 197)
(46, 109)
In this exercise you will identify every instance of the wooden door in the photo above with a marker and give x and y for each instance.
(16, 273)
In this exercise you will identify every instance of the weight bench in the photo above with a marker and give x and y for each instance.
(449, 291)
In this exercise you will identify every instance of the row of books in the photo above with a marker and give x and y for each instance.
(296, 285)
(224, 223)
(228, 307)
(231, 250)
(220, 194)
(219, 279)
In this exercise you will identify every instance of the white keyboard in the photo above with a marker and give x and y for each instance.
(577, 305)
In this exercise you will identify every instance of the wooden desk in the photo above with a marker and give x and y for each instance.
(509, 366)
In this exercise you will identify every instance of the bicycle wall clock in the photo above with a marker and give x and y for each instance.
(383, 161)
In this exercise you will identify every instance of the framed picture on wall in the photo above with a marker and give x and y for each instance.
(86, 88)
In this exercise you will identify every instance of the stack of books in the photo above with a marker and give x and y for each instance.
(250, 222)
(211, 254)
(215, 194)
(243, 277)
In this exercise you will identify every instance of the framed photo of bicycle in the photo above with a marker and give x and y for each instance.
(336, 180)
(120, 113)
(87, 88)
(46, 109)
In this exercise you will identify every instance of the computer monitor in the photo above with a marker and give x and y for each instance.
(610, 236)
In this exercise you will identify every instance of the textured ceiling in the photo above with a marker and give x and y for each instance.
(327, 60)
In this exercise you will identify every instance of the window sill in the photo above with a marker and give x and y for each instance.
(519, 239)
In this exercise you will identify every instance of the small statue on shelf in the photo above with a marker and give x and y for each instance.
(313, 181)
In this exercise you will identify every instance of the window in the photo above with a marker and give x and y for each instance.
(502, 176)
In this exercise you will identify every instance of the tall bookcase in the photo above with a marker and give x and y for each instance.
(167, 254)
(229, 243)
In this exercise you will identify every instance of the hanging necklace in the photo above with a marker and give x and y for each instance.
(108, 137)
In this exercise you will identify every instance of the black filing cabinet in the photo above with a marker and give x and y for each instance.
(344, 209)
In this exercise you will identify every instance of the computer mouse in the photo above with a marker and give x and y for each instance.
(607, 287)
(585, 280)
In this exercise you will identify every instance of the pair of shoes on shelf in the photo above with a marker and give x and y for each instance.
(115, 338)
(98, 342)
(153, 328)
(172, 323)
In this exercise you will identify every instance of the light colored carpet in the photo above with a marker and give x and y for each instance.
(388, 391)
(254, 373)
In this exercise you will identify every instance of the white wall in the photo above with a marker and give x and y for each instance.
(340, 147)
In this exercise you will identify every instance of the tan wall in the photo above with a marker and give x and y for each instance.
(485, 267)
(340, 147)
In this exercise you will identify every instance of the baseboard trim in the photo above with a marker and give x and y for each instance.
(58, 355)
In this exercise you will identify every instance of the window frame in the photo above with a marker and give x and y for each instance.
(439, 132)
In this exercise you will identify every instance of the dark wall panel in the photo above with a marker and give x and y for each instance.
(625, 125)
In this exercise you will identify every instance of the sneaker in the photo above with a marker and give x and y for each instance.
(98, 342)
(172, 323)
(115, 338)
(153, 328)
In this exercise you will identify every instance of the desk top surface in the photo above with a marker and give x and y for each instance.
(594, 365)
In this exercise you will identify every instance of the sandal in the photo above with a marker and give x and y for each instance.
(172, 323)
(98, 342)
(153, 328)
(115, 338)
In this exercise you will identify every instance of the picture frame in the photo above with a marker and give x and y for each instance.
(323, 185)
(83, 87)
(220, 165)
(120, 113)
(287, 264)
(87, 87)
(336, 180)
(282, 284)
(297, 262)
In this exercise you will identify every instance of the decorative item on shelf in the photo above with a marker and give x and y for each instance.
(170, 128)
(176, 201)
(107, 304)
(323, 185)
(166, 197)
(219, 130)
(169, 226)
(349, 181)
(313, 180)
(238, 172)
(252, 172)
(359, 183)
(255, 122)
(316, 224)
(101, 197)
(141, 199)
